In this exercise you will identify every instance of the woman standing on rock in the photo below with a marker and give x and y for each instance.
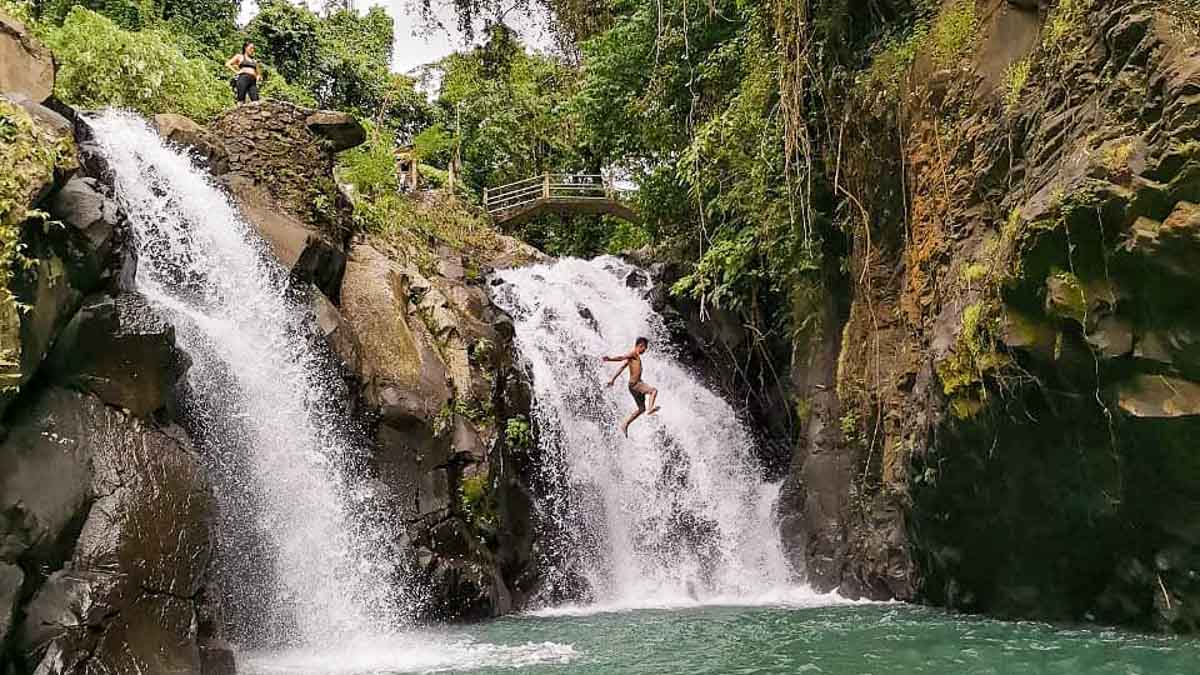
(249, 73)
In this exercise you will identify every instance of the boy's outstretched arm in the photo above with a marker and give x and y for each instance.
(624, 365)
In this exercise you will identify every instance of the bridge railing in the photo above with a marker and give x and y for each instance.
(547, 187)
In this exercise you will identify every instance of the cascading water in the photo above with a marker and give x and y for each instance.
(303, 558)
(676, 513)
(308, 566)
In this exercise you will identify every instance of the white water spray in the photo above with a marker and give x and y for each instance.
(677, 513)
(305, 560)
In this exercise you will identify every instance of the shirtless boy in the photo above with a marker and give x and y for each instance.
(637, 387)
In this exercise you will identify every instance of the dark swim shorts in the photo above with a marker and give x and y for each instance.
(638, 392)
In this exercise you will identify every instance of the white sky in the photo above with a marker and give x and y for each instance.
(418, 44)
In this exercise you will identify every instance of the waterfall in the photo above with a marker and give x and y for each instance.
(676, 513)
(302, 557)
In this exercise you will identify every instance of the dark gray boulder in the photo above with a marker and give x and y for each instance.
(128, 594)
(86, 242)
(121, 350)
(45, 476)
(11, 580)
(339, 129)
(324, 266)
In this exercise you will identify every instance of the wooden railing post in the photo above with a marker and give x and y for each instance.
(546, 185)
(485, 198)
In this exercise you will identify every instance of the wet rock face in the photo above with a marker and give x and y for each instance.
(44, 285)
(121, 511)
(1022, 426)
(121, 350)
(435, 365)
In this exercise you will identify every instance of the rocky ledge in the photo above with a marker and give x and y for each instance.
(105, 512)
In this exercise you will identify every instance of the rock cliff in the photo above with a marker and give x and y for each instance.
(105, 511)
(1002, 399)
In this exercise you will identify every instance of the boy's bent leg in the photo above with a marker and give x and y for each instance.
(629, 420)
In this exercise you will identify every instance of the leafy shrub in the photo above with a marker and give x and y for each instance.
(275, 86)
(414, 225)
(29, 157)
(21, 10)
(890, 64)
(954, 31)
(1015, 79)
(371, 167)
(128, 14)
(518, 433)
(1066, 18)
(102, 65)
(627, 237)
(477, 502)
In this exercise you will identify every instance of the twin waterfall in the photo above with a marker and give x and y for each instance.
(675, 514)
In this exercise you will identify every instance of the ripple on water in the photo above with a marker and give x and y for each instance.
(412, 653)
(836, 640)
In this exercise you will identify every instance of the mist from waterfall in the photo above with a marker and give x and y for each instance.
(303, 558)
(677, 513)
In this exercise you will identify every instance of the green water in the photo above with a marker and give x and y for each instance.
(835, 640)
(839, 640)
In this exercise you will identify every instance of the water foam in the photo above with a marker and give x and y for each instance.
(413, 653)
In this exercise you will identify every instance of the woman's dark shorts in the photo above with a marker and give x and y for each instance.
(245, 87)
(638, 392)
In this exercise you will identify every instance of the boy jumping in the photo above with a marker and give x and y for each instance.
(637, 388)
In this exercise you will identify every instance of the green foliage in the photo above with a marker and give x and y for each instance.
(1068, 299)
(974, 273)
(954, 31)
(404, 109)
(415, 224)
(518, 433)
(210, 22)
(849, 425)
(21, 10)
(890, 63)
(975, 358)
(434, 142)
(341, 59)
(371, 167)
(1015, 78)
(477, 502)
(274, 86)
(101, 65)
(1066, 19)
(506, 108)
(689, 100)
(128, 14)
(29, 157)
(627, 237)
(286, 37)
